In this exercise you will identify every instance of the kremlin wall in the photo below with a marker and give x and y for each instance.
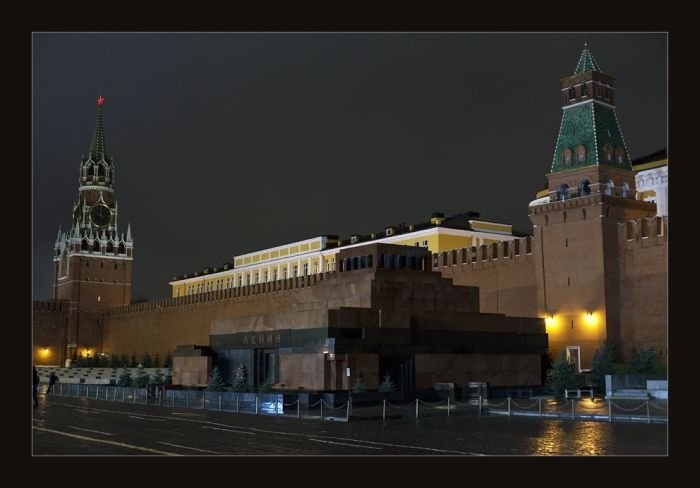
(452, 299)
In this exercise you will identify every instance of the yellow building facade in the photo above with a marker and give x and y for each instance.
(318, 254)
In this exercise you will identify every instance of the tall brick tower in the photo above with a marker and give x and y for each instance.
(93, 261)
(591, 188)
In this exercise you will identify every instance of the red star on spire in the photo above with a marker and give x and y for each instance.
(100, 101)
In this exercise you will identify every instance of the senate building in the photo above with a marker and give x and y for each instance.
(454, 298)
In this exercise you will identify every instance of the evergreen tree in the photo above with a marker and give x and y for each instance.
(147, 361)
(387, 384)
(604, 362)
(133, 363)
(158, 378)
(645, 361)
(169, 377)
(216, 381)
(241, 381)
(359, 385)
(113, 361)
(156, 361)
(562, 376)
(123, 360)
(168, 360)
(125, 378)
(142, 378)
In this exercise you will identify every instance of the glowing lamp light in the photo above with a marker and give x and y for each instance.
(590, 318)
(45, 351)
(549, 321)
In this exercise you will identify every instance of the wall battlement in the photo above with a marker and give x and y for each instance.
(50, 305)
(235, 293)
(505, 251)
(643, 232)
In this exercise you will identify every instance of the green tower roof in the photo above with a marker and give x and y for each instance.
(586, 62)
(595, 128)
(97, 145)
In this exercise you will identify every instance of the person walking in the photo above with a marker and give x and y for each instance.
(52, 381)
(35, 383)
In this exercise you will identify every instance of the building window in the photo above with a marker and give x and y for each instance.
(619, 155)
(581, 153)
(608, 152)
(625, 190)
(284, 273)
(306, 269)
(563, 192)
(517, 247)
(274, 275)
(572, 92)
(584, 90)
(584, 188)
(609, 186)
(573, 356)
(295, 271)
(566, 156)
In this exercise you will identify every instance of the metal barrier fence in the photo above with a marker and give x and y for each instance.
(273, 404)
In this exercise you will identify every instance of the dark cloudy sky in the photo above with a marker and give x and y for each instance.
(228, 143)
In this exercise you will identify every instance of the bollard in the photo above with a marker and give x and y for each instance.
(114, 397)
(479, 404)
(61, 389)
(276, 412)
(321, 408)
(237, 395)
(540, 405)
(133, 392)
(416, 408)
(609, 410)
(219, 402)
(123, 395)
(256, 404)
(384, 409)
(509, 406)
(187, 399)
(97, 392)
(173, 399)
(298, 408)
(648, 413)
(573, 410)
(204, 400)
(448, 406)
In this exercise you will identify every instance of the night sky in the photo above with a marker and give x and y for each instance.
(228, 143)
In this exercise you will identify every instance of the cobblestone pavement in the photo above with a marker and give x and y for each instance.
(79, 426)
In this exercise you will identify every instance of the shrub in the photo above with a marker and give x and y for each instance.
(359, 385)
(387, 384)
(241, 381)
(562, 376)
(125, 378)
(142, 378)
(216, 381)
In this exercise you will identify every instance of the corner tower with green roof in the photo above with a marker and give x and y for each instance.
(577, 251)
(590, 155)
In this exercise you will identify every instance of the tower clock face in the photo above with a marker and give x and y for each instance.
(100, 215)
